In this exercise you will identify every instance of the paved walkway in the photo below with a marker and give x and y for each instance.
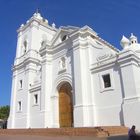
(22, 137)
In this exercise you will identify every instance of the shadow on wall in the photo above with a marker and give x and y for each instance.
(122, 89)
(121, 116)
(117, 69)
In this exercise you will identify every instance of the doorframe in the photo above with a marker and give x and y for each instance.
(71, 98)
(59, 81)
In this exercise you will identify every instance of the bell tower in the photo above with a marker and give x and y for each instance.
(27, 69)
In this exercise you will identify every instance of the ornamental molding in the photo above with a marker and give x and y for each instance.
(26, 62)
(105, 56)
(33, 22)
(121, 59)
(35, 87)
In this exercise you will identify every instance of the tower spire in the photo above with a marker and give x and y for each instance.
(37, 14)
(37, 10)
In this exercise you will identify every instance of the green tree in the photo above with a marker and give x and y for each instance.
(4, 112)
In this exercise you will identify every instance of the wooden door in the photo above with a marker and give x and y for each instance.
(65, 106)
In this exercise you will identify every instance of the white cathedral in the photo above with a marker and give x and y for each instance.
(70, 77)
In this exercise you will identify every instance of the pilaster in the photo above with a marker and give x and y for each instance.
(130, 69)
(11, 119)
(29, 75)
(46, 86)
(83, 109)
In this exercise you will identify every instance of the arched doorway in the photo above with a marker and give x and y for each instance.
(65, 106)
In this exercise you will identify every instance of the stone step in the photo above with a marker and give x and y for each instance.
(115, 130)
(96, 131)
(51, 131)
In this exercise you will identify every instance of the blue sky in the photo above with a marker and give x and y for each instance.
(109, 18)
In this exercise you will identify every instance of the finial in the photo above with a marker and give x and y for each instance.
(37, 14)
(132, 36)
(133, 39)
(37, 10)
(21, 25)
(27, 21)
(53, 25)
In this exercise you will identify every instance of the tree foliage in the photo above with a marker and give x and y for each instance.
(4, 112)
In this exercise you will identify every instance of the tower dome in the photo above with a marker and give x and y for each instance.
(133, 39)
(124, 42)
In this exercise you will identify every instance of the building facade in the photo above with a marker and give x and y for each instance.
(70, 77)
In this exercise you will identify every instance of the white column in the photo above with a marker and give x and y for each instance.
(46, 87)
(83, 109)
(55, 111)
(29, 74)
(11, 119)
(19, 45)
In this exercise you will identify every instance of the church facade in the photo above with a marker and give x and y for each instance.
(70, 77)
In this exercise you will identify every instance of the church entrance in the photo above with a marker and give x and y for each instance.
(65, 106)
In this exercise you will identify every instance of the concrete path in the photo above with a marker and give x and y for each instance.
(22, 137)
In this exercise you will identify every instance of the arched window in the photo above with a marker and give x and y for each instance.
(36, 99)
(64, 37)
(21, 84)
(25, 46)
(19, 106)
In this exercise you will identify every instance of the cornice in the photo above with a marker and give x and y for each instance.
(107, 44)
(55, 49)
(121, 59)
(26, 62)
(35, 87)
(34, 22)
(103, 64)
(129, 54)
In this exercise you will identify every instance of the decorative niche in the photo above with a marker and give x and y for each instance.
(62, 64)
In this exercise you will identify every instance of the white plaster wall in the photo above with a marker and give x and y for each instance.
(136, 71)
(38, 33)
(21, 95)
(130, 71)
(131, 110)
(55, 112)
(78, 116)
(37, 121)
(11, 119)
(47, 95)
(37, 115)
(108, 101)
(97, 50)
(22, 36)
(129, 84)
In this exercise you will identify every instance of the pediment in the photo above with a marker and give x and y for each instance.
(62, 34)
